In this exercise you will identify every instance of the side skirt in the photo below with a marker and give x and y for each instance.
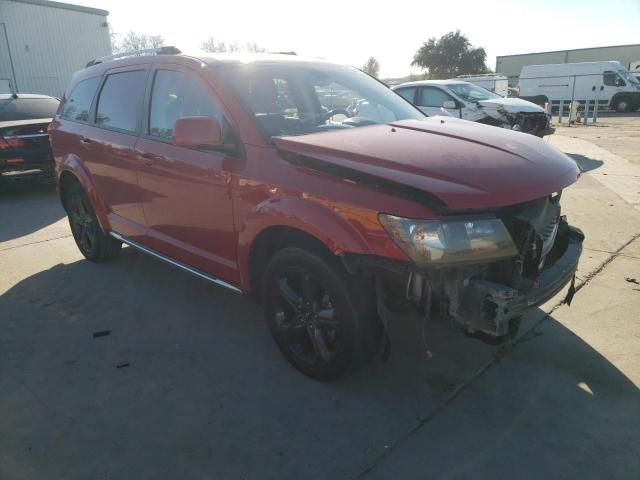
(176, 263)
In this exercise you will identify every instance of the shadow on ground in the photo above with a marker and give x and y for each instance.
(585, 164)
(188, 384)
(26, 207)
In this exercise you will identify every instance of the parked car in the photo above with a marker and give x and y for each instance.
(609, 83)
(477, 104)
(24, 142)
(496, 83)
(316, 214)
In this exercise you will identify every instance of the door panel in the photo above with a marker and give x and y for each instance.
(110, 148)
(190, 216)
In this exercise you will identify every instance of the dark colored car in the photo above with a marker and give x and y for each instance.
(233, 169)
(24, 142)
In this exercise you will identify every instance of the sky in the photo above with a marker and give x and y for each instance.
(350, 31)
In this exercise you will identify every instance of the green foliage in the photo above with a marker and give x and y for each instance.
(372, 67)
(449, 56)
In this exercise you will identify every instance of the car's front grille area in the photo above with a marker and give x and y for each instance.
(549, 231)
(533, 121)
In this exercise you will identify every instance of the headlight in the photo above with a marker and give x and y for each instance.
(439, 242)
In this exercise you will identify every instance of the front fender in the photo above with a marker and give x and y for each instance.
(71, 164)
(341, 228)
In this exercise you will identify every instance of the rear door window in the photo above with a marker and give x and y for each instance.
(121, 99)
(408, 93)
(176, 95)
(27, 108)
(79, 102)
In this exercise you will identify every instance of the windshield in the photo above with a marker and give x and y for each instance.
(628, 76)
(27, 108)
(297, 99)
(471, 93)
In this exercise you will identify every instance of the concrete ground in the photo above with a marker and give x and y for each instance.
(188, 384)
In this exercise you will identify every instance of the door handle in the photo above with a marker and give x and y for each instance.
(85, 141)
(148, 158)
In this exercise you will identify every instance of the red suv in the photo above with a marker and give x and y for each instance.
(317, 190)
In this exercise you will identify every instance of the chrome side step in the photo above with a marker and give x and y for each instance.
(176, 263)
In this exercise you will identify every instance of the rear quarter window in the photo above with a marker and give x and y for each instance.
(27, 108)
(79, 102)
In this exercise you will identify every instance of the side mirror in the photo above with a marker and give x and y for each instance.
(450, 104)
(195, 132)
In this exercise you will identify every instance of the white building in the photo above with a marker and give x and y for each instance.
(42, 43)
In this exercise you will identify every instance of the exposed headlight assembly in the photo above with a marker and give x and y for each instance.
(450, 241)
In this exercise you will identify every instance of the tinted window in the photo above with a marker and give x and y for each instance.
(27, 108)
(408, 93)
(432, 97)
(612, 79)
(120, 100)
(175, 95)
(79, 103)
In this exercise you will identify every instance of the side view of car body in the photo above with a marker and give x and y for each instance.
(477, 104)
(24, 142)
(233, 169)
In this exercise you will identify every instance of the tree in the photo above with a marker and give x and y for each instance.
(210, 45)
(136, 41)
(372, 67)
(449, 56)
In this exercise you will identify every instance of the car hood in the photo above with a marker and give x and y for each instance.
(466, 165)
(511, 105)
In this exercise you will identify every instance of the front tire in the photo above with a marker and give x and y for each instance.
(92, 242)
(323, 320)
(622, 105)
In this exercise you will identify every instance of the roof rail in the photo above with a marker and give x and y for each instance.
(169, 50)
(284, 53)
(481, 75)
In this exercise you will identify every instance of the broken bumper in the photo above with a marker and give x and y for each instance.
(489, 307)
(546, 131)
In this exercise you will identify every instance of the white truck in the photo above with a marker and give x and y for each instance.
(608, 83)
(496, 83)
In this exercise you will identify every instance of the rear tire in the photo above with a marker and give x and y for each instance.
(323, 320)
(92, 242)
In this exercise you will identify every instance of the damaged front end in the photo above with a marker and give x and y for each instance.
(487, 291)
(534, 123)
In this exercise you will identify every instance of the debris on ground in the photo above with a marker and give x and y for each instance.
(122, 365)
(632, 280)
(102, 333)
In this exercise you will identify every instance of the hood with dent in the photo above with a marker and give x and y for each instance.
(511, 105)
(464, 164)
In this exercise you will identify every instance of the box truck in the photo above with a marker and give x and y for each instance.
(609, 83)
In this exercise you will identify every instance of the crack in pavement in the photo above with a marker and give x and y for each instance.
(529, 335)
(35, 242)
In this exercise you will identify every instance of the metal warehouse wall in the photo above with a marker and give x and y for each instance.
(47, 42)
(510, 65)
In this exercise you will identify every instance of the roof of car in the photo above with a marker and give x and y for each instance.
(6, 96)
(431, 82)
(243, 58)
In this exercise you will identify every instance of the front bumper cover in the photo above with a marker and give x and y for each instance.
(489, 307)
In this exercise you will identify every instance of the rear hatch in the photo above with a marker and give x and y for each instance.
(24, 144)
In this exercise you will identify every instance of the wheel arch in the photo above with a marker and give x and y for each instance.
(72, 171)
(292, 222)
